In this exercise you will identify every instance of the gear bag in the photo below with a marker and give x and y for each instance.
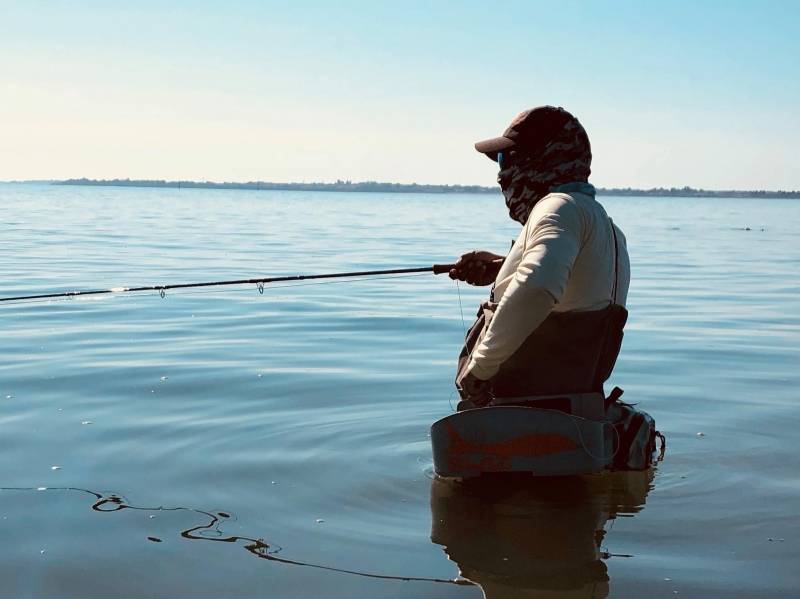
(636, 435)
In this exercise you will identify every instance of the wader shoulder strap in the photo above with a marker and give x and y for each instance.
(616, 260)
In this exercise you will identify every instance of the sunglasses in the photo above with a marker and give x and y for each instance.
(505, 159)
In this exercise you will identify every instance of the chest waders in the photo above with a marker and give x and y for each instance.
(549, 414)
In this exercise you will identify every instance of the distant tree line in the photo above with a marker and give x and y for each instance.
(376, 186)
(267, 185)
(691, 192)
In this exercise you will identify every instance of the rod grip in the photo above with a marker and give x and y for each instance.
(440, 269)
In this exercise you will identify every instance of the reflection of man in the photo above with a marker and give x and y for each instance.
(551, 325)
(528, 539)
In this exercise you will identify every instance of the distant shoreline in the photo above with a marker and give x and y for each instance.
(375, 186)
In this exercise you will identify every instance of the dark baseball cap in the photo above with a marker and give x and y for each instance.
(529, 133)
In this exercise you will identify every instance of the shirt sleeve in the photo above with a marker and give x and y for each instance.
(552, 241)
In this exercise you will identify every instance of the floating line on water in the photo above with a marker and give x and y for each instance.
(114, 503)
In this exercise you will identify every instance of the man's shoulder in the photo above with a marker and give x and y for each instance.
(576, 201)
(560, 204)
(575, 211)
(555, 202)
(555, 212)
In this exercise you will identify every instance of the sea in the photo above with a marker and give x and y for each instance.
(237, 441)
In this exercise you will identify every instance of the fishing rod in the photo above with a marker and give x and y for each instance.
(436, 269)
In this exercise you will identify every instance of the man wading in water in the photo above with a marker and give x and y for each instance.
(553, 322)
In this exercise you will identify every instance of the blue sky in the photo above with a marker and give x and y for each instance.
(680, 93)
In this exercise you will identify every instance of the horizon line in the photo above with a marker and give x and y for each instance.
(339, 183)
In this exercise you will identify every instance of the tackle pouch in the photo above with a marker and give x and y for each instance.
(473, 338)
(636, 433)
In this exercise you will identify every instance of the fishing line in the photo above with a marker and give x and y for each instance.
(108, 503)
(461, 308)
(464, 328)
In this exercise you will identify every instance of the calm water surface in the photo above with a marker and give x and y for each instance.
(289, 430)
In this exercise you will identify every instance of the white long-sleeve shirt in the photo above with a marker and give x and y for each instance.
(563, 260)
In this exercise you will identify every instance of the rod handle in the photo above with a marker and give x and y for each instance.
(440, 269)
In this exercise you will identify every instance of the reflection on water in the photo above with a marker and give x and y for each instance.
(519, 536)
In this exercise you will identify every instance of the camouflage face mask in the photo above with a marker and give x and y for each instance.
(527, 179)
